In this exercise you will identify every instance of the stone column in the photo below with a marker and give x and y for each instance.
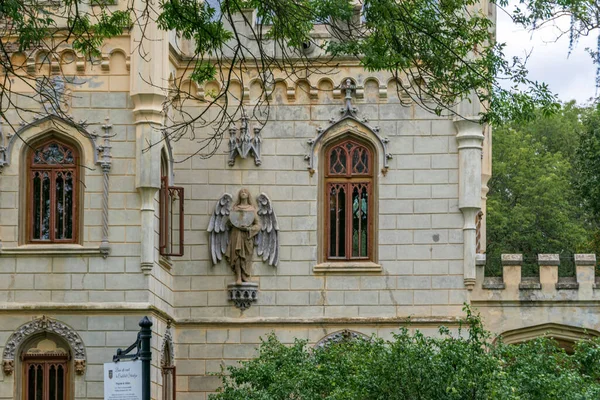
(470, 139)
(149, 78)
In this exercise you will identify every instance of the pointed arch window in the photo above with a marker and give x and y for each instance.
(349, 202)
(52, 193)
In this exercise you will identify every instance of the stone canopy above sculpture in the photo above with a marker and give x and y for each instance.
(236, 228)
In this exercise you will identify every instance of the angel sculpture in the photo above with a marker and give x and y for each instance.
(236, 228)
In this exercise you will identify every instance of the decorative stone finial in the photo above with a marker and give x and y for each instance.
(244, 144)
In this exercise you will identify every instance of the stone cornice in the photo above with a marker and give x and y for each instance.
(136, 308)
(412, 320)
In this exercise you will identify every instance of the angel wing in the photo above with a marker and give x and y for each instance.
(218, 227)
(267, 240)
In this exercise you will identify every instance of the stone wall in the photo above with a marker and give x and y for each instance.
(419, 227)
(102, 334)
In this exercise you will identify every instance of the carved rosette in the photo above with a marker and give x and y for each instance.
(38, 325)
(243, 295)
(345, 335)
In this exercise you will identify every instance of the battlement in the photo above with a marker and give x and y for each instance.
(548, 286)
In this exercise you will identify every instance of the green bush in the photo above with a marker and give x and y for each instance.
(413, 366)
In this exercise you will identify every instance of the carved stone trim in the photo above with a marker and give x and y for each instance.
(7, 141)
(348, 113)
(559, 332)
(243, 295)
(345, 335)
(167, 352)
(105, 163)
(38, 325)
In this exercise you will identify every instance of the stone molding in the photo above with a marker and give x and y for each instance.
(348, 114)
(344, 335)
(548, 259)
(512, 259)
(350, 266)
(585, 259)
(38, 325)
(65, 250)
(555, 331)
(7, 141)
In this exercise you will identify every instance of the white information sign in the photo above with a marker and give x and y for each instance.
(123, 380)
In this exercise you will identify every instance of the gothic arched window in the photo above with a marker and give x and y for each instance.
(52, 193)
(45, 371)
(349, 201)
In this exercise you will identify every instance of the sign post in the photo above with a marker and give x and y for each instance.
(128, 376)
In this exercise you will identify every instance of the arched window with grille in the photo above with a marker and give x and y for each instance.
(52, 192)
(349, 201)
(45, 364)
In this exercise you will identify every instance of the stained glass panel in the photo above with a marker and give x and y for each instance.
(52, 197)
(54, 153)
(349, 202)
(360, 220)
(337, 221)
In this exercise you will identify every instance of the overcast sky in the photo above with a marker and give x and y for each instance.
(570, 76)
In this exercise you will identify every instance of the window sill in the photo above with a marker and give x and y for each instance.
(53, 250)
(347, 266)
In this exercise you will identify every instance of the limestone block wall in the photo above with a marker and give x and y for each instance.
(419, 226)
(513, 302)
(102, 334)
(97, 93)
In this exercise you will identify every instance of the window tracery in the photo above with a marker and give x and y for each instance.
(52, 193)
(349, 203)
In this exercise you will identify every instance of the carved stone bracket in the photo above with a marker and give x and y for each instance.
(243, 145)
(345, 335)
(243, 295)
(38, 325)
(348, 113)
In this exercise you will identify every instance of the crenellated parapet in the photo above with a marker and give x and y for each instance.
(548, 286)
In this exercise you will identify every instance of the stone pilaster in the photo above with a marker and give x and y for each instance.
(470, 139)
(149, 75)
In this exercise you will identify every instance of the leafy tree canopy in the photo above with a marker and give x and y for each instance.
(543, 194)
(443, 52)
(466, 365)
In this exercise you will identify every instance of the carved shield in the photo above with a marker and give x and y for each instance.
(241, 218)
(110, 374)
